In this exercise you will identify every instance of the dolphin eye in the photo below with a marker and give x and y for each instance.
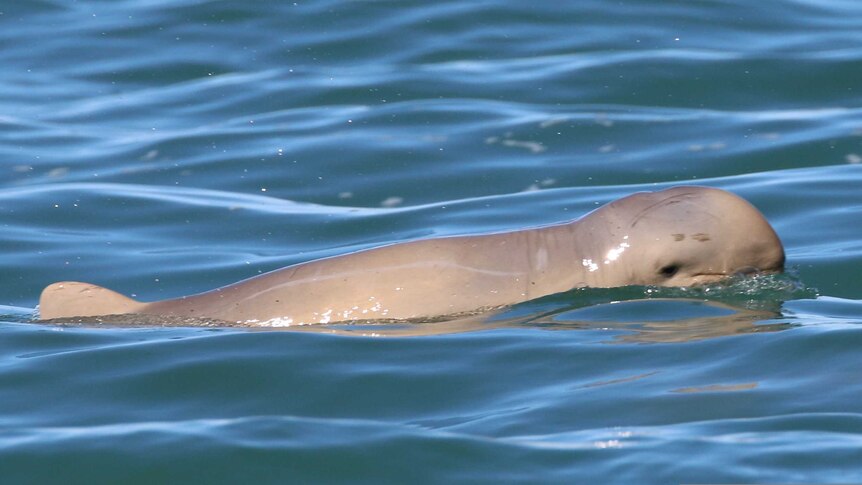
(668, 270)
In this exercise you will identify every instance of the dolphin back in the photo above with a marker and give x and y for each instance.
(68, 299)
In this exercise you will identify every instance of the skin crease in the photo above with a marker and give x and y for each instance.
(681, 236)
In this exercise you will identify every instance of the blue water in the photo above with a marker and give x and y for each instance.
(166, 147)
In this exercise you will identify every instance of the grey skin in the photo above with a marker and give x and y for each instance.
(681, 236)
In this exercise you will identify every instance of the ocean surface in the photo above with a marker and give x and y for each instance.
(167, 147)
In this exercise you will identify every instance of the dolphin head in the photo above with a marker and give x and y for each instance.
(686, 236)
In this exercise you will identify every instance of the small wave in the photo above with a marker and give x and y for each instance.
(749, 291)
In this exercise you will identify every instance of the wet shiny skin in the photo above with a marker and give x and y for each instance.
(677, 237)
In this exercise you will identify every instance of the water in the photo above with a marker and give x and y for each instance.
(165, 147)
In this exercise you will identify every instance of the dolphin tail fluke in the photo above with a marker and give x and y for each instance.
(74, 299)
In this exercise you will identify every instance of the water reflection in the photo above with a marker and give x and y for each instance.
(665, 320)
(651, 320)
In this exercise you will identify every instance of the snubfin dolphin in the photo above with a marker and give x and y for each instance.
(676, 237)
